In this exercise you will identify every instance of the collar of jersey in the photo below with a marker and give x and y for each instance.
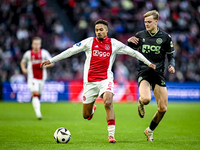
(37, 51)
(154, 33)
(105, 39)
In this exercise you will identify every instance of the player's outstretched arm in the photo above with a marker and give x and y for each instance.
(45, 63)
(139, 56)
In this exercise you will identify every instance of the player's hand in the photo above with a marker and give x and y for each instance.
(152, 66)
(171, 69)
(45, 63)
(134, 40)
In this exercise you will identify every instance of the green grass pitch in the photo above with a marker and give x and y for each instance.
(20, 130)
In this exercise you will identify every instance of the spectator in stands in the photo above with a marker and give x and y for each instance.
(181, 19)
(17, 77)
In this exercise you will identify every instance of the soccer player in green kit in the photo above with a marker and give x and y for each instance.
(154, 44)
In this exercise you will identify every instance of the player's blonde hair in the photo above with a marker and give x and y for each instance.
(36, 38)
(153, 13)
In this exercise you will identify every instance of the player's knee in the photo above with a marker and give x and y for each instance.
(108, 104)
(145, 100)
(162, 109)
(36, 94)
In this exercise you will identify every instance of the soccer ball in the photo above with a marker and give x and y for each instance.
(62, 135)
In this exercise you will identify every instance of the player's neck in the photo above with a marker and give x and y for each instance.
(153, 32)
(101, 39)
(35, 50)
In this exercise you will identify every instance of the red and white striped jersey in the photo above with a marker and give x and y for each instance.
(33, 61)
(100, 56)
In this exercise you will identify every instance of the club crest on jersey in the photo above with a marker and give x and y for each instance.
(159, 40)
(107, 47)
(84, 98)
(78, 44)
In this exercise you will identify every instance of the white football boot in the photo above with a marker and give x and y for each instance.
(149, 134)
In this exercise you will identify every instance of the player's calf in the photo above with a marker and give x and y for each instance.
(94, 108)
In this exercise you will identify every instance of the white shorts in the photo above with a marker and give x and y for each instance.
(94, 89)
(36, 85)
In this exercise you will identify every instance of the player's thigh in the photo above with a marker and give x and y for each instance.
(161, 97)
(90, 92)
(88, 101)
(145, 89)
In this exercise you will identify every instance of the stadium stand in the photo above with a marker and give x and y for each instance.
(20, 20)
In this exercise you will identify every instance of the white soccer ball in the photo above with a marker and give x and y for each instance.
(62, 135)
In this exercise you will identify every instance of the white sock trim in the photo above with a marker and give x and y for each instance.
(111, 130)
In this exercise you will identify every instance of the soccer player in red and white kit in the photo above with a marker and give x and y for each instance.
(98, 78)
(36, 74)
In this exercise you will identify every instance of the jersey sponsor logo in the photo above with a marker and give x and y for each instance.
(78, 44)
(151, 48)
(100, 54)
(36, 61)
(159, 40)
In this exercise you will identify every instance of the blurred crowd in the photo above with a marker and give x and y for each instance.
(21, 20)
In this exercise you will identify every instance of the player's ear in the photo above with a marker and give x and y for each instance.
(107, 29)
(156, 21)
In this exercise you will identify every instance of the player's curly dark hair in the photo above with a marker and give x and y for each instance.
(101, 21)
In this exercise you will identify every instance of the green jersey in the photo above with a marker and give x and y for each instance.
(154, 47)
